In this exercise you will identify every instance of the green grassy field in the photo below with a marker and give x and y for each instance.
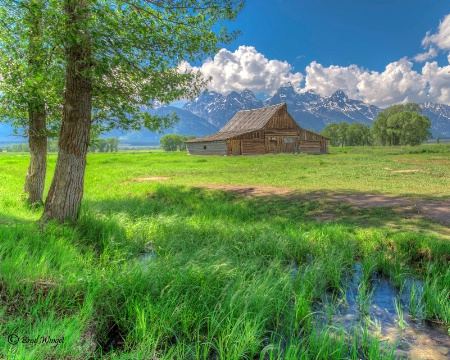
(165, 270)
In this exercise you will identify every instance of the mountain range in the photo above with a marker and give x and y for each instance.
(311, 110)
(209, 112)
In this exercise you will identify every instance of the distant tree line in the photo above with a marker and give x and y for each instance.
(102, 145)
(18, 148)
(343, 134)
(174, 142)
(52, 146)
(397, 125)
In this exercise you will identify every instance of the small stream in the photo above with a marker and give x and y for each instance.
(413, 339)
(148, 255)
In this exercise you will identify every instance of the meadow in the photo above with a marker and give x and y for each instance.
(172, 258)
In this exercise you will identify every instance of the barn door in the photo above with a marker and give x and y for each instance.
(235, 147)
(273, 148)
(295, 145)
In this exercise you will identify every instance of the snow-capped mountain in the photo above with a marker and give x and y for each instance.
(218, 109)
(439, 115)
(295, 100)
(188, 124)
(338, 108)
(211, 111)
(309, 109)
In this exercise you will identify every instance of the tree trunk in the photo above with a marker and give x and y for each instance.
(37, 139)
(66, 190)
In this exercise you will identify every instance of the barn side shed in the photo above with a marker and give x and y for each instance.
(268, 130)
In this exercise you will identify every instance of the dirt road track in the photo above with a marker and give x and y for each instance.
(438, 211)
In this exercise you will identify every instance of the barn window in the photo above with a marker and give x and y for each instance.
(257, 135)
(288, 139)
(204, 147)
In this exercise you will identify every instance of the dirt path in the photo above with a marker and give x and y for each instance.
(438, 211)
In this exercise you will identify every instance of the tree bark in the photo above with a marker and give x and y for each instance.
(37, 139)
(66, 190)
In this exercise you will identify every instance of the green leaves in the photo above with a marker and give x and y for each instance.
(29, 61)
(174, 142)
(401, 125)
(355, 134)
(137, 47)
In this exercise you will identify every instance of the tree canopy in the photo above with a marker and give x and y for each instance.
(113, 59)
(138, 54)
(31, 84)
(401, 125)
(344, 134)
(119, 57)
(174, 142)
(30, 62)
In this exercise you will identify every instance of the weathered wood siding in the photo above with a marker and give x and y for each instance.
(309, 147)
(234, 147)
(312, 143)
(251, 143)
(281, 134)
(252, 146)
(251, 135)
(207, 148)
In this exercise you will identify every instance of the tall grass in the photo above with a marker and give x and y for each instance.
(219, 283)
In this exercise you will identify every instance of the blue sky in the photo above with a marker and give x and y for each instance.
(378, 51)
(338, 32)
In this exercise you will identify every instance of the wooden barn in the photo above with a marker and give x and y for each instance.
(268, 130)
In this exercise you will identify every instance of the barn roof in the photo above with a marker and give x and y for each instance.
(219, 136)
(243, 122)
(251, 119)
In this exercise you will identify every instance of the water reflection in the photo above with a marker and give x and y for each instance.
(412, 338)
(147, 257)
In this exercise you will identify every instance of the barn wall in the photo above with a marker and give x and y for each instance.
(212, 148)
(312, 143)
(281, 120)
(251, 143)
(251, 135)
(281, 142)
(234, 147)
(310, 147)
(252, 147)
(308, 135)
(280, 135)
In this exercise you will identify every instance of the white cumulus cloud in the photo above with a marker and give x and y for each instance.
(441, 39)
(327, 80)
(438, 81)
(430, 54)
(397, 83)
(246, 68)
